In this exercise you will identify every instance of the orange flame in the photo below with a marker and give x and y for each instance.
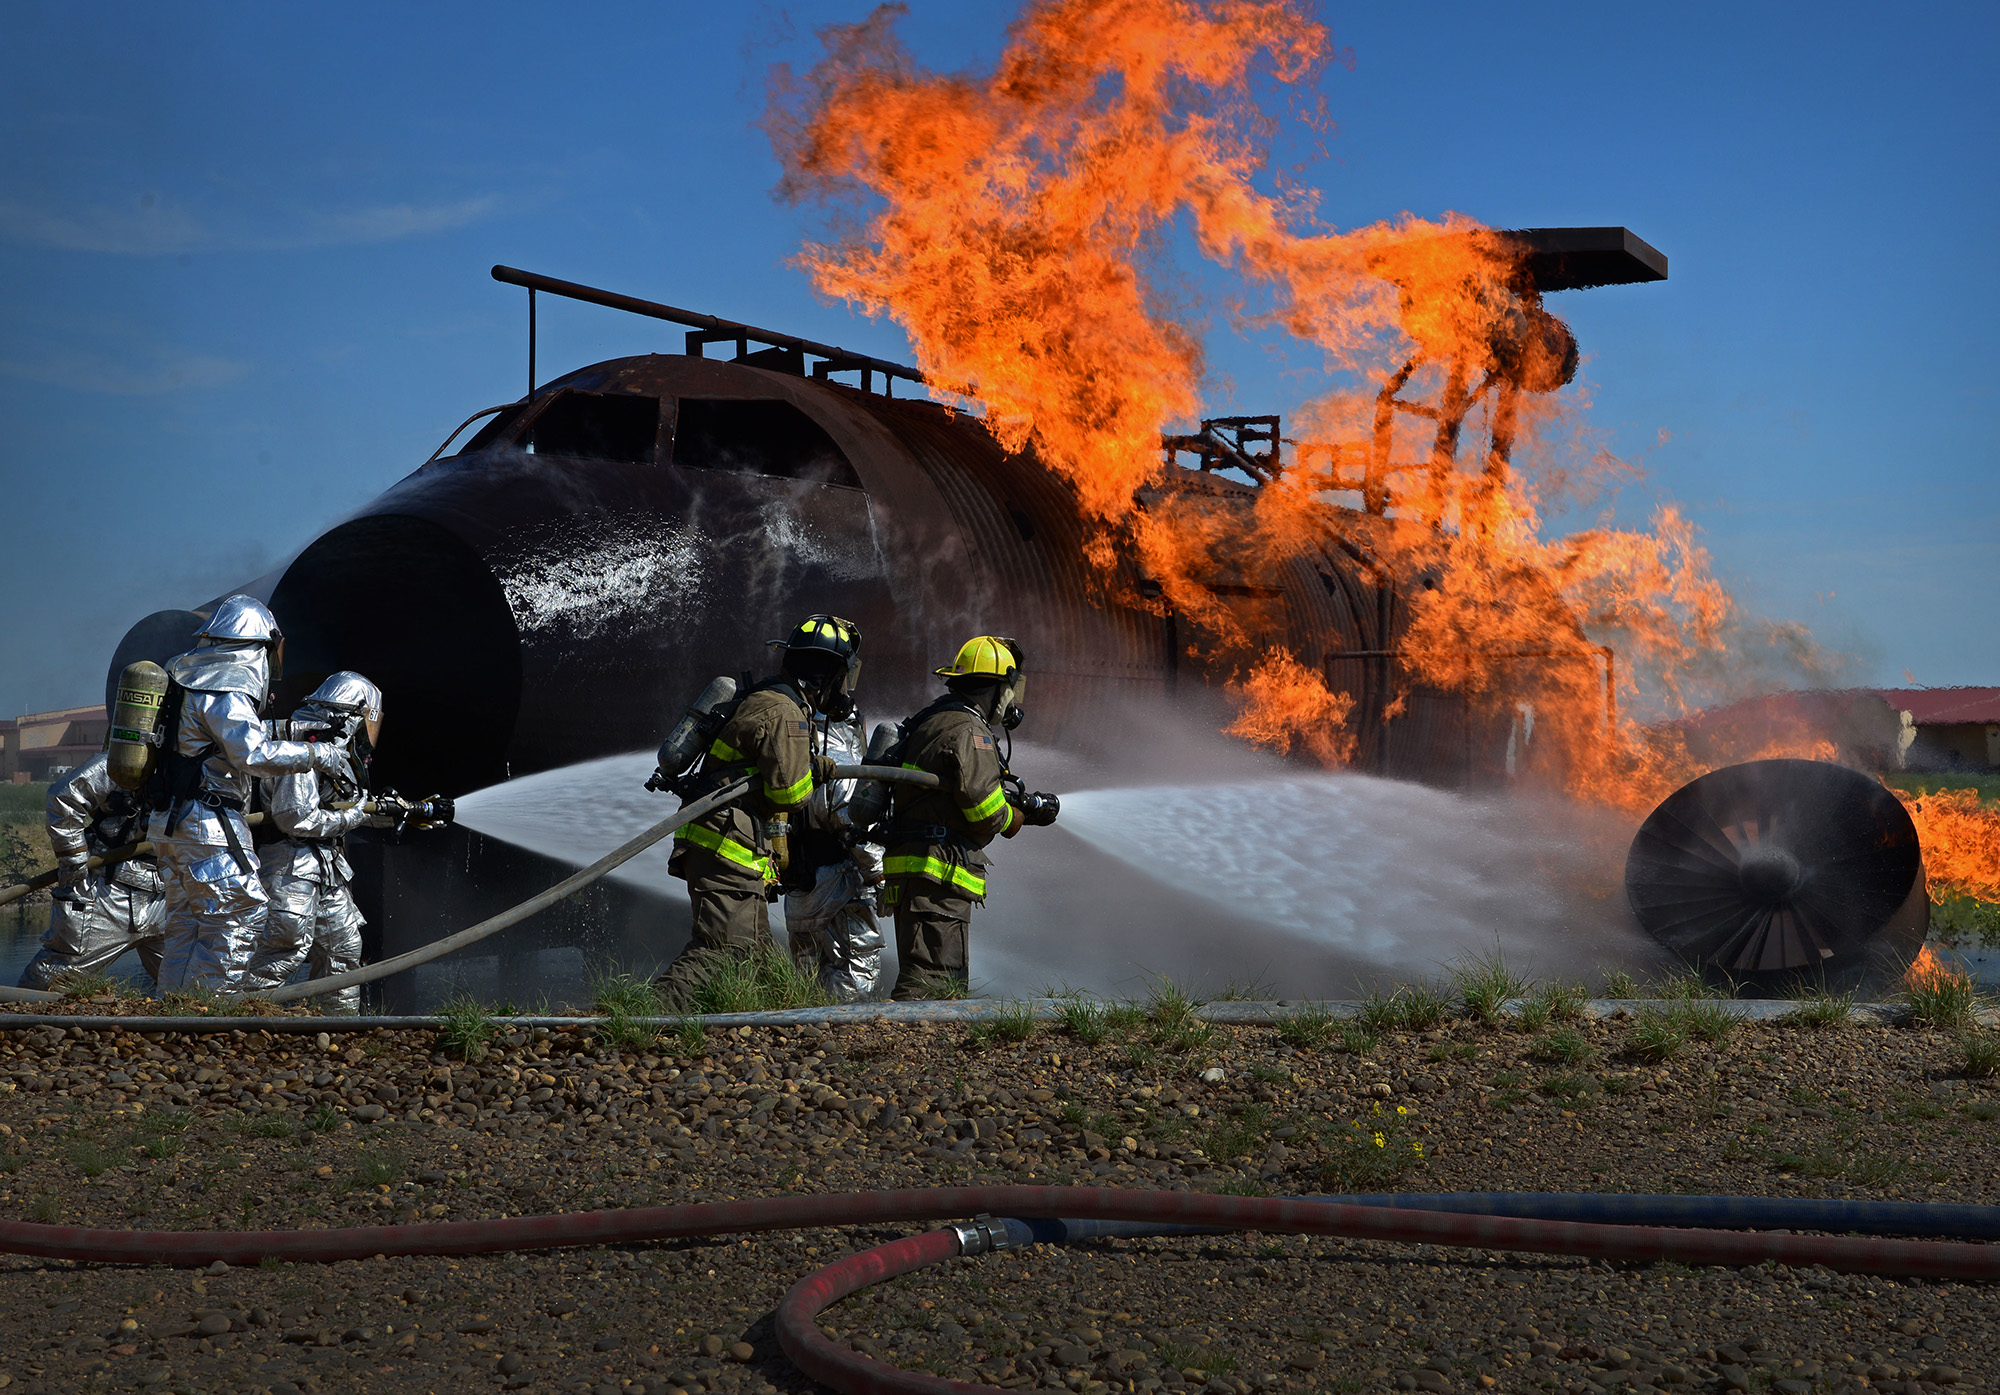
(1287, 707)
(1961, 841)
(1929, 971)
(1011, 222)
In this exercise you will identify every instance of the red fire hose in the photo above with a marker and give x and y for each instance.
(1641, 1244)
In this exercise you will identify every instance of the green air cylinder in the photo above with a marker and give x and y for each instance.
(142, 687)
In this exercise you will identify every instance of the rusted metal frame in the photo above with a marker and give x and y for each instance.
(713, 327)
(484, 412)
(1375, 487)
(1603, 651)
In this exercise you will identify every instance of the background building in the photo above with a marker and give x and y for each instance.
(44, 745)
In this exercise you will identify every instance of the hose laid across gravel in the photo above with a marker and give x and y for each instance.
(1639, 1244)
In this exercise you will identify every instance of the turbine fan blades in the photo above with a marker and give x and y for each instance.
(1779, 871)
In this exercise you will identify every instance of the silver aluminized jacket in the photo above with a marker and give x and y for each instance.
(312, 919)
(97, 915)
(832, 926)
(214, 898)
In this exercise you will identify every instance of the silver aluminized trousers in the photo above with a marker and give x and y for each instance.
(93, 926)
(214, 911)
(834, 933)
(311, 924)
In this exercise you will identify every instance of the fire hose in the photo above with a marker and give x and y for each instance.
(1032, 1215)
(126, 852)
(568, 886)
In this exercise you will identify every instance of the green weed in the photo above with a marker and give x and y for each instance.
(1308, 1028)
(690, 1037)
(1369, 1153)
(1486, 985)
(92, 1159)
(375, 1168)
(1821, 1009)
(1564, 1047)
(623, 1000)
(1943, 1001)
(1559, 1002)
(1411, 1007)
(1655, 1036)
(1083, 1019)
(1015, 1022)
(1620, 984)
(1982, 1055)
(763, 979)
(465, 1026)
(1569, 1085)
(1357, 1040)
(323, 1119)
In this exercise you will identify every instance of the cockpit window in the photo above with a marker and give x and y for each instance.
(758, 437)
(597, 426)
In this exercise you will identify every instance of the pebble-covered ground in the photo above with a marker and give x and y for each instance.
(260, 1129)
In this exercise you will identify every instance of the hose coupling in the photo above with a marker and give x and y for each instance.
(980, 1235)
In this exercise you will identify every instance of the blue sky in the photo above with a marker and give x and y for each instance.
(244, 252)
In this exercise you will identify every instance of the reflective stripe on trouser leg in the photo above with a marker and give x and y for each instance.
(214, 912)
(834, 932)
(931, 938)
(90, 931)
(726, 917)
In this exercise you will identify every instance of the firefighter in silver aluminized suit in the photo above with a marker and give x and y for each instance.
(312, 917)
(211, 752)
(830, 912)
(97, 915)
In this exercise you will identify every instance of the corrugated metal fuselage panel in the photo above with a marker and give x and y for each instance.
(555, 608)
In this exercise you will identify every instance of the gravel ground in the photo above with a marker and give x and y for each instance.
(271, 1130)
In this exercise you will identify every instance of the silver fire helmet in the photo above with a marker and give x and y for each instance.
(348, 691)
(242, 620)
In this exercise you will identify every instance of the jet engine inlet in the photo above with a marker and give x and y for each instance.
(1782, 874)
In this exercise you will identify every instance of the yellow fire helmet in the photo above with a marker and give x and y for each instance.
(986, 656)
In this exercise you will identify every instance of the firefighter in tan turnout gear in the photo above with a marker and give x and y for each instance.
(726, 857)
(934, 864)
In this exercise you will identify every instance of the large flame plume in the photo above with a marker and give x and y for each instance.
(1015, 224)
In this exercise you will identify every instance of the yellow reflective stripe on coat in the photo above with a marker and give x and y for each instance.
(964, 878)
(727, 848)
(987, 807)
(722, 750)
(793, 793)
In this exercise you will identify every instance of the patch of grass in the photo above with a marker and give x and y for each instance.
(1982, 1055)
(764, 979)
(1687, 986)
(1249, 990)
(623, 1000)
(1368, 1154)
(378, 1167)
(1452, 1051)
(1564, 1047)
(1140, 1056)
(1655, 1036)
(1308, 1028)
(1269, 1075)
(264, 1126)
(1408, 1007)
(1569, 1085)
(1357, 1040)
(1820, 1009)
(1242, 1186)
(467, 1026)
(1015, 1022)
(1559, 1001)
(690, 1037)
(1486, 985)
(1084, 1019)
(91, 1158)
(1169, 1007)
(1238, 1135)
(44, 1208)
(1123, 1017)
(933, 987)
(203, 1002)
(77, 986)
(1987, 787)
(1704, 1019)
(1620, 984)
(323, 1119)
(1942, 1001)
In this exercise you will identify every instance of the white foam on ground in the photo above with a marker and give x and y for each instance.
(1305, 885)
